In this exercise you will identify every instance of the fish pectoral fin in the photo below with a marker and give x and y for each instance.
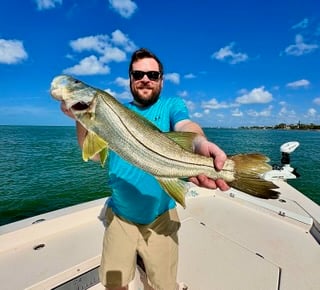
(92, 145)
(184, 139)
(175, 187)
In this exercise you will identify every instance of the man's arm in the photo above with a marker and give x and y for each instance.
(204, 147)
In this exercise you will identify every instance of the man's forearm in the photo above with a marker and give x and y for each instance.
(189, 126)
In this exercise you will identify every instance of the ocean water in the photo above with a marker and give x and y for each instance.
(41, 167)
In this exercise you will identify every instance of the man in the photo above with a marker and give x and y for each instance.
(141, 217)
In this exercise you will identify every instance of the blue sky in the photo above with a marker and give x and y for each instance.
(235, 63)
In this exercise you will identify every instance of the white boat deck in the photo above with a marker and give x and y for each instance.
(228, 240)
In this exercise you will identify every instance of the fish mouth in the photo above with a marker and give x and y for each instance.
(80, 106)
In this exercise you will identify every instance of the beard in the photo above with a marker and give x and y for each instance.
(145, 100)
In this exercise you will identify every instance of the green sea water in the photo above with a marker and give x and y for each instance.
(41, 167)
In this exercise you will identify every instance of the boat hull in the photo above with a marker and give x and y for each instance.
(228, 240)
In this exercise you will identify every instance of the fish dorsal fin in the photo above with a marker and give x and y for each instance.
(184, 139)
(92, 145)
(175, 187)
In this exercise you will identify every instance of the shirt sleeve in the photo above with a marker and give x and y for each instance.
(178, 111)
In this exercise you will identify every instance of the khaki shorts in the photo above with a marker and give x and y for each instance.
(156, 243)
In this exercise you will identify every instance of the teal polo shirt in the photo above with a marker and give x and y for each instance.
(136, 195)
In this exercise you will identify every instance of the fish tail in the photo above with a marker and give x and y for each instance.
(248, 169)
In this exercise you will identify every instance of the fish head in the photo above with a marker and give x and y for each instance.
(74, 93)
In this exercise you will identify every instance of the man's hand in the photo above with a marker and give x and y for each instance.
(207, 148)
(204, 147)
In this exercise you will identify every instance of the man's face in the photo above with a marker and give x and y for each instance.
(145, 91)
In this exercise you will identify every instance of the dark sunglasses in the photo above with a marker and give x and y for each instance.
(152, 75)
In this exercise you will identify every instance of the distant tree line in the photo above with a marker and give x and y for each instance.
(284, 126)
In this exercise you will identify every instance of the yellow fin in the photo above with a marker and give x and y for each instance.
(175, 187)
(92, 145)
(103, 154)
(184, 139)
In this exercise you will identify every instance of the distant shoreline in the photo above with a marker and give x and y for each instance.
(283, 126)
(301, 127)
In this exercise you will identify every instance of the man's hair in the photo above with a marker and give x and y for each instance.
(144, 53)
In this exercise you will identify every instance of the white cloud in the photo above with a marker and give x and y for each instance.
(226, 54)
(119, 38)
(317, 101)
(214, 104)
(183, 94)
(97, 43)
(105, 46)
(47, 4)
(266, 112)
(298, 84)
(111, 92)
(302, 24)
(173, 77)
(12, 51)
(300, 48)
(122, 82)
(125, 96)
(113, 54)
(197, 115)
(236, 113)
(284, 112)
(189, 76)
(190, 105)
(263, 113)
(253, 113)
(125, 8)
(88, 66)
(220, 115)
(312, 112)
(257, 95)
(105, 49)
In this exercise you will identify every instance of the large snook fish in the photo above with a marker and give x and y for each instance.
(167, 156)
